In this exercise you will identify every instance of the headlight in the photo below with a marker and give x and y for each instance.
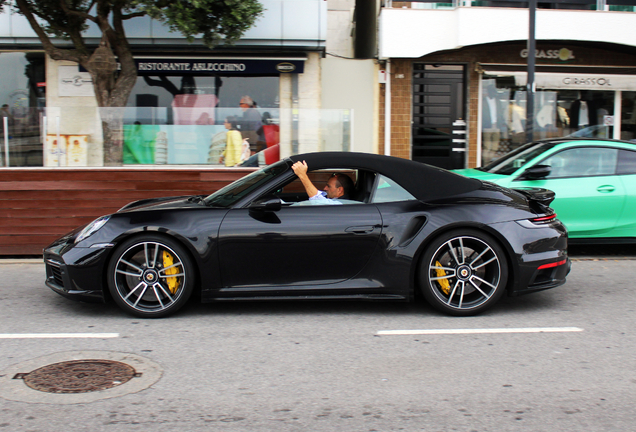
(91, 228)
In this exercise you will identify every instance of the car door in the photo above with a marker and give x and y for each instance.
(589, 196)
(626, 171)
(297, 245)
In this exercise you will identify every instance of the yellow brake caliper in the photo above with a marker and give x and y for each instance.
(443, 283)
(173, 282)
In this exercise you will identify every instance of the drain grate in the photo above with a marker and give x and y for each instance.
(78, 376)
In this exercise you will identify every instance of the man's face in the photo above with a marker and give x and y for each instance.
(332, 189)
(244, 105)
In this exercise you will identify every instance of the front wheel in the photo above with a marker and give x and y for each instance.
(464, 272)
(150, 276)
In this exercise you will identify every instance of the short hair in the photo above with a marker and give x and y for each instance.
(345, 182)
(247, 100)
(233, 122)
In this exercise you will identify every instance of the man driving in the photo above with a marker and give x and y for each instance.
(338, 187)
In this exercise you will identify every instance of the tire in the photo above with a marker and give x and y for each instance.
(150, 276)
(463, 272)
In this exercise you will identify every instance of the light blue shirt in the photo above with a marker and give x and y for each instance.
(321, 199)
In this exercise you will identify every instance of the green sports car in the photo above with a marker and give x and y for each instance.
(594, 181)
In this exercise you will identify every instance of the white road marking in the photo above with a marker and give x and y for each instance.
(481, 331)
(58, 335)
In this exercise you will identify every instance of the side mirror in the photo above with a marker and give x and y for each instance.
(536, 172)
(267, 204)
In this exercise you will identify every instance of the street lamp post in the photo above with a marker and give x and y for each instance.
(530, 86)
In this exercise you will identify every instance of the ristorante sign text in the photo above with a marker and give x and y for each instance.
(224, 67)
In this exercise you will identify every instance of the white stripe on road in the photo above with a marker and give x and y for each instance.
(58, 335)
(481, 331)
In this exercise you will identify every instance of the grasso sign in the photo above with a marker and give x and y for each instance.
(217, 66)
(587, 81)
(556, 81)
(562, 54)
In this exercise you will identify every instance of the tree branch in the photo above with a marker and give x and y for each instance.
(133, 15)
(84, 15)
(54, 52)
(90, 6)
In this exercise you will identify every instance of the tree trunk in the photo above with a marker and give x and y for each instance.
(113, 133)
(111, 90)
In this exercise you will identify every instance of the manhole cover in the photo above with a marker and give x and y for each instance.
(78, 376)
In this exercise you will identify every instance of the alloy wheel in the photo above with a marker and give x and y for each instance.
(464, 273)
(149, 277)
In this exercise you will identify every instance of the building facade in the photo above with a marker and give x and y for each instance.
(456, 76)
(185, 91)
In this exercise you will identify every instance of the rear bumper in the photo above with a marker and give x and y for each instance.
(542, 279)
(539, 255)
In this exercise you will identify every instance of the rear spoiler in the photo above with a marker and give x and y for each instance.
(540, 195)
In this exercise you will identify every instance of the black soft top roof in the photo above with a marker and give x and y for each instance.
(424, 182)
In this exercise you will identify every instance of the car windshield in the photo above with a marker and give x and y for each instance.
(235, 191)
(514, 160)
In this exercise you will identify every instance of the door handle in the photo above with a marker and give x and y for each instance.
(606, 189)
(367, 229)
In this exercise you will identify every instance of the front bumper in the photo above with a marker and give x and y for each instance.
(76, 273)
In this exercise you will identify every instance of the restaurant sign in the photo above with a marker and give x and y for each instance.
(217, 66)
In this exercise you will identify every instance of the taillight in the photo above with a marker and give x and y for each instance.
(543, 219)
(551, 265)
(537, 222)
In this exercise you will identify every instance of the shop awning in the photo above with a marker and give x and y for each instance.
(571, 81)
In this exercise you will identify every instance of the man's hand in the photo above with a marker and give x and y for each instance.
(300, 169)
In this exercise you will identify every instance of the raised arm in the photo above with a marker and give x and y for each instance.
(300, 168)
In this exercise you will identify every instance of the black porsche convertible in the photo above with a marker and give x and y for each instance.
(406, 226)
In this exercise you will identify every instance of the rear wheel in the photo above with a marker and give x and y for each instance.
(464, 272)
(150, 276)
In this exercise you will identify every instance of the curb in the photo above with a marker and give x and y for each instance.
(22, 261)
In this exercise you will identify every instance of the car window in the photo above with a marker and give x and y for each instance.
(514, 160)
(582, 162)
(232, 193)
(386, 190)
(626, 162)
(293, 192)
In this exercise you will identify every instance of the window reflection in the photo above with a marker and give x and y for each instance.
(582, 162)
(181, 119)
(557, 113)
(22, 95)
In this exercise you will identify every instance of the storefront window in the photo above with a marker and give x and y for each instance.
(185, 111)
(628, 116)
(22, 95)
(158, 98)
(182, 119)
(557, 113)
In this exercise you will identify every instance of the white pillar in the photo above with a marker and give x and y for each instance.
(618, 106)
